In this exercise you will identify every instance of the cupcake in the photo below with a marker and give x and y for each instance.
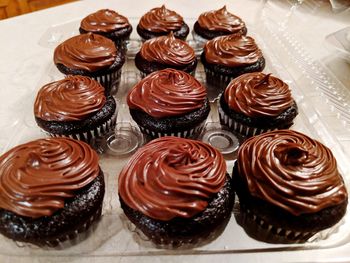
(176, 191)
(50, 190)
(225, 58)
(165, 52)
(217, 23)
(169, 102)
(255, 103)
(91, 55)
(161, 21)
(288, 187)
(75, 107)
(107, 23)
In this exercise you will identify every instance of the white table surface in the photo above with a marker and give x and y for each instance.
(23, 61)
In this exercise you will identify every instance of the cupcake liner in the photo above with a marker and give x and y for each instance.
(240, 127)
(199, 39)
(75, 236)
(110, 81)
(90, 136)
(216, 79)
(261, 230)
(192, 133)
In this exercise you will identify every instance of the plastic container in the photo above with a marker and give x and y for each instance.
(114, 235)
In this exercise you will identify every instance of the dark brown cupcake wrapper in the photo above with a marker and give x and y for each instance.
(77, 235)
(239, 127)
(110, 81)
(192, 133)
(199, 39)
(261, 230)
(90, 136)
(217, 79)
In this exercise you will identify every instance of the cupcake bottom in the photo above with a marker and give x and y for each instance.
(147, 67)
(180, 33)
(97, 125)
(183, 231)
(68, 223)
(247, 126)
(265, 222)
(220, 76)
(189, 125)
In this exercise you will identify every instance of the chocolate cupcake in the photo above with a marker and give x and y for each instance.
(165, 52)
(169, 102)
(75, 107)
(91, 55)
(255, 103)
(108, 23)
(225, 58)
(161, 21)
(288, 186)
(176, 191)
(50, 190)
(217, 23)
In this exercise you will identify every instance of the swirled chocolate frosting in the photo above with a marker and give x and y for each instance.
(89, 52)
(161, 19)
(172, 177)
(221, 20)
(104, 20)
(69, 99)
(232, 51)
(291, 171)
(258, 95)
(166, 93)
(168, 50)
(37, 177)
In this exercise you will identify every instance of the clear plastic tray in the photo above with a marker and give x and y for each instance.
(114, 235)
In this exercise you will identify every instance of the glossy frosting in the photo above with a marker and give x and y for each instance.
(89, 52)
(37, 177)
(258, 95)
(232, 51)
(104, 20)
(172, 177)
(69, 99)
(221, 20)
(292, 171)
(168, 50)
(161, 19)
(166, 93)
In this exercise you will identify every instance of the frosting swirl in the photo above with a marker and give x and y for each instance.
(166, 93)
(104, 20)
(257, 95)
(89, 52)
(161, 19)
(232, 50)
(291, 171)
(37, 177)
(221, 20)
(172, 177)
(69, 99)
(168, 50)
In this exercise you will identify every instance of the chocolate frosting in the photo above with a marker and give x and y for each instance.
(160, 19)
(168, 50)
(258, 95)
(89, 52)
(104, 20)
(37, 177)
(69, 99)
(166, 93)
(291, 171)
(232, 51)
(221, 20)
(172, 177)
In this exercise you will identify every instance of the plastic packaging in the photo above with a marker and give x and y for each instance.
(114, 235)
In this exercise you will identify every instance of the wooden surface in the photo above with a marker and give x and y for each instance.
(10, 8)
